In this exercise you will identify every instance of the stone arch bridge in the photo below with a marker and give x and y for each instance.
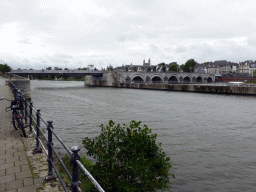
(165, 77)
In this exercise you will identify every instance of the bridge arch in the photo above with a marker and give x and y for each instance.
(209, 80)
(187, 79)
(138, 79)
(157, 79)
(199, 79)
(173, 80)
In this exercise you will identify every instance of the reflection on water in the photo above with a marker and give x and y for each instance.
(209, 138)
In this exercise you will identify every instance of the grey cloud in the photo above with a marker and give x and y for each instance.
(180, 49)
(154, 49)
(25, 40)
(251, 40)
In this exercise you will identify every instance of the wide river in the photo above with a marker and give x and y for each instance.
(210, 138)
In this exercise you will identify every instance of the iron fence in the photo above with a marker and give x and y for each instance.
(34, 123)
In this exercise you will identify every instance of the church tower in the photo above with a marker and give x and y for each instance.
(146, 64)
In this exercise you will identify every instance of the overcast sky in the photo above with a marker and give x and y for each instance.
(75, 33)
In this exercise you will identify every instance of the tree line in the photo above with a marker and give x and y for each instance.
(187, 67)
(4, 68)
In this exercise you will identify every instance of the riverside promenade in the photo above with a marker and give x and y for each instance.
(20, 170)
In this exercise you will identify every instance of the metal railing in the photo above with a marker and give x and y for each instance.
(35, 121)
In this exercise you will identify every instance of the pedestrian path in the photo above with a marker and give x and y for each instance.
(20, 170)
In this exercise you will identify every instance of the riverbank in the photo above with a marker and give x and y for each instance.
(20, 169)
(199, 88)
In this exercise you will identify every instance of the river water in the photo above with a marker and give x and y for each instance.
(210, 138)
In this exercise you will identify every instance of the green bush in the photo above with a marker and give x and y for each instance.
(5, 68)
(128, 159)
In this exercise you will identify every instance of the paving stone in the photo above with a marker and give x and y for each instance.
(20, 149)
(2, 161)
(23, 157)
(2, 173)
(13, 170)
(14, 185)
(2, 143)
(6, 165)
(38, 182)
(24, 174)
(23, 162)
(12, 190)
(6, 148)
(12, 159)
(25, 168)
(2, 152)
(10, 151)
(28, 182)
(22, 153)
(6, 156)
(2, 187)
(7, 178)
(30, 188)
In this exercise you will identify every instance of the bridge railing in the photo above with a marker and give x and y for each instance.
(35, 121)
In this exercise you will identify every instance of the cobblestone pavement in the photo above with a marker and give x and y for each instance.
(20, 170)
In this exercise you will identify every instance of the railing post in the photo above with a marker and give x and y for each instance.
(37, 149)
(75, 156)
(30, 118)
(26, 107)
(50, 175)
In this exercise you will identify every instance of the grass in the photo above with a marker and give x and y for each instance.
(86, 184)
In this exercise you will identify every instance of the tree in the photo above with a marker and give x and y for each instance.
(163, 65)
(57, 68)
(174, 67)
(254, 74)
(82, 68)
(128, 158)
(110, 68)
(49, 68)
(149, 69)
(5, 68)
(189, 65)
(154, 68)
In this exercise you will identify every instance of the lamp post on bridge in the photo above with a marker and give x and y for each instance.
(66, 64)
(44, 62)
(26, 61)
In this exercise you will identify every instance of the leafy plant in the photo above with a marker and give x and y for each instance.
(128, 158)
(5, 68)
(174, 67)
(189, 65)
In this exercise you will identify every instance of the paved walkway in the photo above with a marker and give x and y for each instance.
(20, 170)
